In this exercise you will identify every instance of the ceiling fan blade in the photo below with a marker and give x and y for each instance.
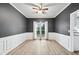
(31, 4)
(35, 8)
(45, 9)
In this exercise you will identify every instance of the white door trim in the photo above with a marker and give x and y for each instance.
(46, 30)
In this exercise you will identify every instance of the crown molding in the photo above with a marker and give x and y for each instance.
(63, 9)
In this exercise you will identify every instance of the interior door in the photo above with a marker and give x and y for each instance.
(40, 30)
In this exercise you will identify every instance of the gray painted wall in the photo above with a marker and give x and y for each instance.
(11, 21)
(62, 23)
(51, 23)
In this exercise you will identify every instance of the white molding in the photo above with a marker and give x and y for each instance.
(16, 8)
(63, 9)
(10, 42)
(37, 17)
(52, 36)
(64, 40)
(16, 40)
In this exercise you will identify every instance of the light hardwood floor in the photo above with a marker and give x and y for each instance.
(40, 47)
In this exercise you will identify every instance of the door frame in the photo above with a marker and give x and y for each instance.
(46, 29)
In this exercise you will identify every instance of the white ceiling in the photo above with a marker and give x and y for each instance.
(53, 9)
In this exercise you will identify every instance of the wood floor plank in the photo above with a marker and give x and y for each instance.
(40, 47)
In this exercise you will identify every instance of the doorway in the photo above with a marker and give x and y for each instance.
(40, 29)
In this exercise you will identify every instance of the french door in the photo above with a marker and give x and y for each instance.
(40, 30)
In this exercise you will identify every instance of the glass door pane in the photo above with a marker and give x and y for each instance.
(40, 30)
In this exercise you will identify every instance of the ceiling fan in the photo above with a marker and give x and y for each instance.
(39, 8)
(42, 7)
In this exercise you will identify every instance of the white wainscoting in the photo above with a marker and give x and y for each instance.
(76, 42)
(11, 42)
(63, 40)
(52, 36)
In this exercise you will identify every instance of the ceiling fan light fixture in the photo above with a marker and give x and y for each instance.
(40, 10)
